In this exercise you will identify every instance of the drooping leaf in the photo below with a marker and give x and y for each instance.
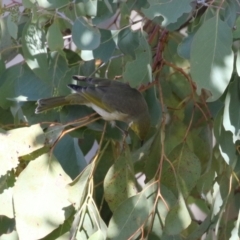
(231, 114)
(164, 203)
(138, 71)
(89, 224)
(235, 232)
(54, 37)
(186, 166)
(46, 199)
(212, 57)
(7, 52)
(225, 140)
(12, 27)
(128, 217)
(178, 217)
(119, 183)
(70, 156)
(128, 41)
(78, 188)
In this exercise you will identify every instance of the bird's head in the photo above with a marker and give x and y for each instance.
(141, 126)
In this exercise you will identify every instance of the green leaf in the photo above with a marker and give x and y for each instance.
(8, 52)
(88, 222)
(54, 37)
(178, 217)
(152, 160)
(187, 168)
(85, 36)
(105, 10)
(28, 3)
(169, 10)
(35, 51)
(70, 156)
(78, 188)
(174, 135)
(12, 27)
(107, 46)
(231, 114)
(87, 8)
(128, 218)
(236, 32)
(153, 106)
(225, 139)
(180, 22)
(166, 202)
(184, 48)
(139, 70)
(21, 84)
(46, 199)
(238, 62)
(212, 57)
(119, 183)
(230, 12)
(128, 41)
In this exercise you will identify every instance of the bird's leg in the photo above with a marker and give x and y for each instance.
(124, 132)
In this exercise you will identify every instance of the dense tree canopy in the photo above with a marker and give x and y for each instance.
(182, 182)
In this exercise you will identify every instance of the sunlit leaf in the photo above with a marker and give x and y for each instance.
(128, 217)
(178, 218)
(231, 114)
(46, 199)
(19, 142)
(34, 50)
(85, 36)
(77, 189)
(169, 10)
(212, 57)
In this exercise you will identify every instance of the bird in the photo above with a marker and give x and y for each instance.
(111, 99)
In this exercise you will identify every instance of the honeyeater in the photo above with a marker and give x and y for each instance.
(113, 100)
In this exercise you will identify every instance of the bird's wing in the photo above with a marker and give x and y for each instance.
(94, 95)
(93, 81)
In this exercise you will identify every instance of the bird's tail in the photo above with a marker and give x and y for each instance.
(49, 103)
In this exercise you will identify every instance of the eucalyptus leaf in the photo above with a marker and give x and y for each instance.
(212, 57)
(119, 183)
(128, 217)
(138, 71)
(85, 36)
(34, 50)
(47, 198)
(178, 218)
(54, 37)
(169, 10)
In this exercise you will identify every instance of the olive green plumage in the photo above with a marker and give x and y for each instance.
(111, 99)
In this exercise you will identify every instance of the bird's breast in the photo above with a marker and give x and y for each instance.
(110, 116)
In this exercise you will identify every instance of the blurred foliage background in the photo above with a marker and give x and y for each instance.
(66, 174)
